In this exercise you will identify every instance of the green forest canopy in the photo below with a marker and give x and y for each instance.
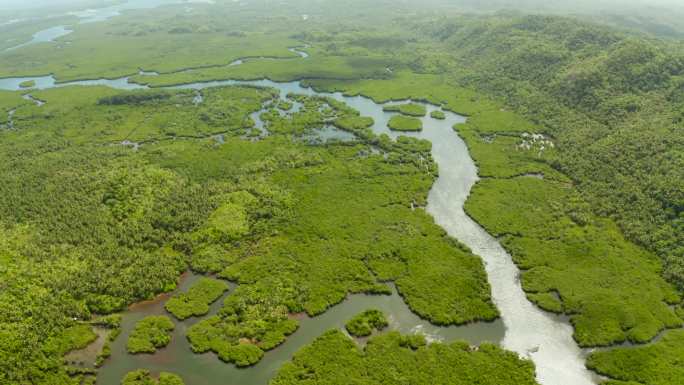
(77, 216)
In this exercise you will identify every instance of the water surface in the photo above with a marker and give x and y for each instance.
(44, 36)
(207, 369)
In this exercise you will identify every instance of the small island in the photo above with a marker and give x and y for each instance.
(362, 325)
(410, 109)
(285, 105)
(150, 334)
(197, 300)
(144, 377)
(405, 123)
(353, 123)
(27, 84)
(437, 114)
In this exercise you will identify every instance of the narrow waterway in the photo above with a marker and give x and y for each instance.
(44, 36)
(524, 328)
(207, 369)
(101, 14)
(96, 15)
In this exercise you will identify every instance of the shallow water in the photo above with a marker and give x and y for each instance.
(242, 61)
(9, 122)
(299, 52)
(148, 73)
(44, 36)
(526, 329)
(42, 82)
(37, 102)
(329, 134)
(207, 369)
(47, 82)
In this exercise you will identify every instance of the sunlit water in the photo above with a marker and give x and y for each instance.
(523, 328)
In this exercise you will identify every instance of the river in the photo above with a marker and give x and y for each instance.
(96, 15)
(524, 328)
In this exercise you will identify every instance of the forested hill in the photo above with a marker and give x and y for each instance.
(613, 102)
(664, 18)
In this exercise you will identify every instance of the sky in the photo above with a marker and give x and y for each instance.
(35, 4)
(562, 6)
(25, 4)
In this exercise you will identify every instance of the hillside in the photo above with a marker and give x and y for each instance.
(613, 102)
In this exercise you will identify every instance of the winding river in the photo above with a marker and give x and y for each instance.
(523, 328)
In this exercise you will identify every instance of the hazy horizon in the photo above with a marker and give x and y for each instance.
(544, 4)
(659, 17)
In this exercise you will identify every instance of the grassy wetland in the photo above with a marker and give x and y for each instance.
(107, 196)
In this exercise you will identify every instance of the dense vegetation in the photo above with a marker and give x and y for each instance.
(27, 84)
(113, 325)
(150, 334)
(334, 359)
(542, 196)
(143, 377)
(405, 123)
(262, 213)
(86, 225)
(577, 127)
(437, 114)
(410, 109)
(612, 102)
(196, 301)
(242, 331)
(360, 252)
(571, 258)
(363, 324)
(657, 364)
